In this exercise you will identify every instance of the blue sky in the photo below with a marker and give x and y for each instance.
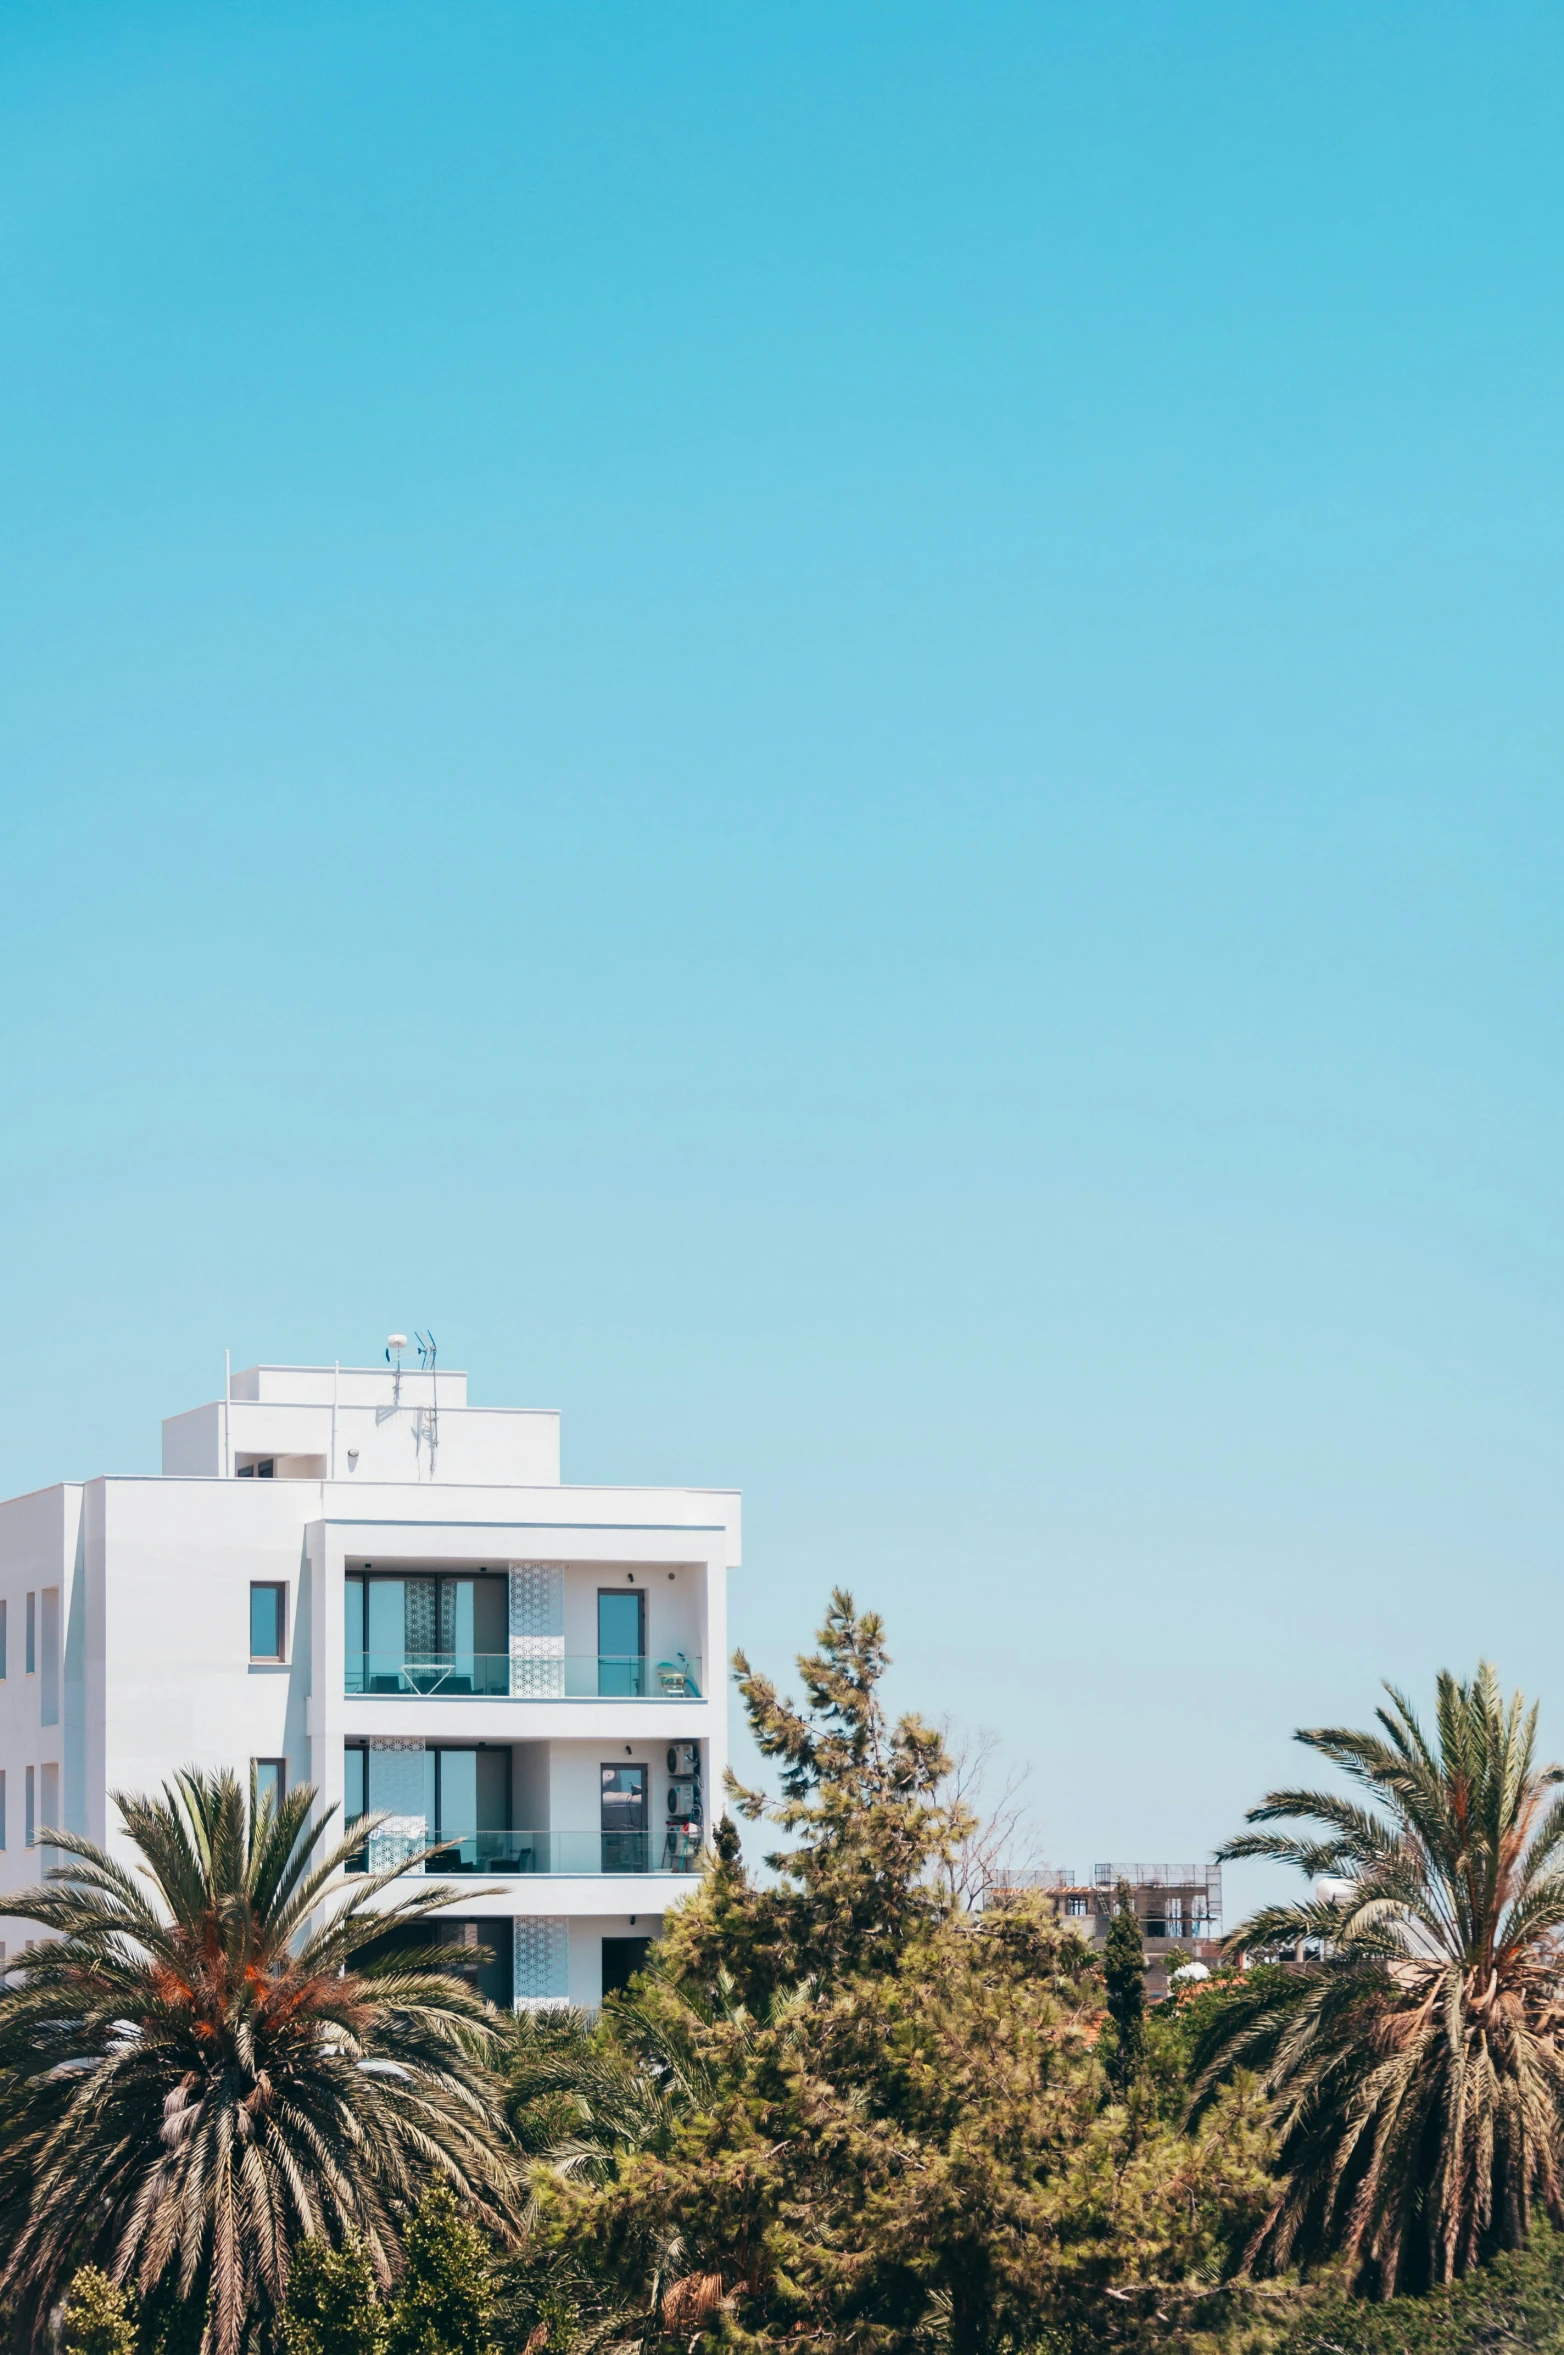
(839, 731)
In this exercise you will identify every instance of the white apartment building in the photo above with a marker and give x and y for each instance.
(356, 1579)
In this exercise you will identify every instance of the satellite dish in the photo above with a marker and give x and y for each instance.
(396, 1341)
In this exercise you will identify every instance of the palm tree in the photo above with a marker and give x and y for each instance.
(1413, 2052)
(585, 2094)
(198, 2071)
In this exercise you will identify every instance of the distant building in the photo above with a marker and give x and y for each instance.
(1180, 1908)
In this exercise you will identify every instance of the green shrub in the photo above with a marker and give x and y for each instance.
(99, 2318)
(332, 2306)
(443, 2304)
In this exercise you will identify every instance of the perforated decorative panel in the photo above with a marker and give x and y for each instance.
(396, 1786)
(537, 1631)
(420, 1624)
(542, 1960)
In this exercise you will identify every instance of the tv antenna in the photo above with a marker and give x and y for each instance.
(429, 1417)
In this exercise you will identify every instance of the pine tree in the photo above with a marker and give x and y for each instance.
(332, 2306)
(1124, 1970)
(98, 2317)
(839, 2113)
(443, 2304)
(865, 1803)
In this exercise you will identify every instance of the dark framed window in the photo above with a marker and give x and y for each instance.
(621, 1640)
(265, 1469)
(32, 1635)
(31, 1823)
(271, 1782)
(268, 1621)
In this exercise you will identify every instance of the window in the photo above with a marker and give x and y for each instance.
(2, 1807)
(49, 1692)
(264, 1468)
(49, 1810)
(31, 1824)
(355, 1763)
(355, 1797)
(2, 1639)
(1175, 1917)
(1076, 1907)
(268, 1620)
(271, 1782)
(32, 1634)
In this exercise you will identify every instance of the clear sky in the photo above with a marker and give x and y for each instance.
(837, 729)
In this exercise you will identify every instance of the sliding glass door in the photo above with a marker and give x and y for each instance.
(621, 1641)
(455, 1800)
(439, 1632)
(626, 1834)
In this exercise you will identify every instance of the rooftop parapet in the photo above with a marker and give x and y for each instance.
(361, 1423)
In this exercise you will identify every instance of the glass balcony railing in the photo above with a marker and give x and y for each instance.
(675, 1849)
(530, 1675)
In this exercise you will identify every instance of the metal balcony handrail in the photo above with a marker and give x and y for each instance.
(674, 1847)
(527, 1673)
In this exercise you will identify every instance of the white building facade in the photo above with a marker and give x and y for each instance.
(353, 1578)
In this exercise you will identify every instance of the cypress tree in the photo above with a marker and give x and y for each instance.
(1124, 1969)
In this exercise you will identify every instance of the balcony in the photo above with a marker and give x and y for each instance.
(525, 1676)
(677, 1849)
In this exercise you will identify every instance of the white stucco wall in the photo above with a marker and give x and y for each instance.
(474, 1445)
(153, 1578)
